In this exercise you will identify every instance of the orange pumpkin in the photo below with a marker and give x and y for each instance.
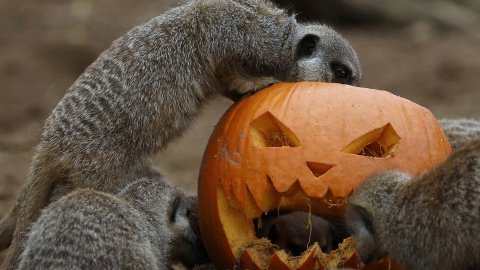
(305, 146)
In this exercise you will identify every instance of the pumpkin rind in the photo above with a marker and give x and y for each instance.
(295, 139)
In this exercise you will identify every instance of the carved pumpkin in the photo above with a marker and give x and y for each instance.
(305, 146)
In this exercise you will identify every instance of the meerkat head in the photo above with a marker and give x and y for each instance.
(323, 55)
(288, 231)
(314, 53)
(367, 210)
(179, 219)
(188, 245)
(174, 214)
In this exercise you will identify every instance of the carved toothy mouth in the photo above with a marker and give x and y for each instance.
(254, 252)
(244, 238)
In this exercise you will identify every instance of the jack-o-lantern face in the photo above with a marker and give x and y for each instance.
(304, 146)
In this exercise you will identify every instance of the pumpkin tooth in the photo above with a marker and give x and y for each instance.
(248, 261)
(238, 230)
(232, 201)
(345, 253)
(294, 190)
(279, 261)
(351, 262)
(271, 198)
(257, 254)
(251, 208)
(307, 261)
(257, 185)
(312, 261)
(229, 196)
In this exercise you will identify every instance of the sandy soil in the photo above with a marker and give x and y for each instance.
(45, 46)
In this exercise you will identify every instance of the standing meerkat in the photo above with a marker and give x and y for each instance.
(425, 222)
(145, 226)
(150, 84)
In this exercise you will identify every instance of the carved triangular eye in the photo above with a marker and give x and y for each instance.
(380, 143)
(318, 169)
(268, 131)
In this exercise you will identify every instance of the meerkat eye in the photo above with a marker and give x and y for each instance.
(342, 74)
(341, 71)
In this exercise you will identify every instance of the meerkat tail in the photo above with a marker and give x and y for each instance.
(7, 226)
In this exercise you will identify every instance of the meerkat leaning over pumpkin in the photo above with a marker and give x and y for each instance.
(147, 225)
(147, 88)
(425, 222)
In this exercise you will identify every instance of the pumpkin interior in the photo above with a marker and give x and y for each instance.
(380, 143)
(268, 131)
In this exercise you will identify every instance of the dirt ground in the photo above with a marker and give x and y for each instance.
(45, 45)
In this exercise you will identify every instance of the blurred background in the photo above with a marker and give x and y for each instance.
(427, 51)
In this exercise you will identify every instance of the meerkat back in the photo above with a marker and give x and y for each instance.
(148, 87)
(460, 131)
(88, 229)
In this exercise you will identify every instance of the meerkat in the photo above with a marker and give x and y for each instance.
(147, 225)
(425, 222)
(460, 131)
(147, 88)
(294, 232)
(187, 252)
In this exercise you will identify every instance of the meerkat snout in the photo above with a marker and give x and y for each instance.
(294, 232)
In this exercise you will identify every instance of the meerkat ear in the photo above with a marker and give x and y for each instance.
(177, 209)
(364, 219)
(307, 45)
